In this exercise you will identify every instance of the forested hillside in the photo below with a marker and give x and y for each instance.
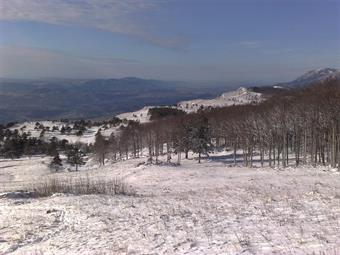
(291, 127)
(299, 126)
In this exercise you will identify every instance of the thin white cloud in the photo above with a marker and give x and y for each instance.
(110, 15)
(252, 44)
(26, 62)
(36, 62)
(117, 16)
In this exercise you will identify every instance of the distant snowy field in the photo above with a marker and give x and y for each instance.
(88, 137)
(208, 208)
(240, 96)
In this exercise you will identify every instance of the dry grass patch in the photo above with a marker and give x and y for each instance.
(80, 186)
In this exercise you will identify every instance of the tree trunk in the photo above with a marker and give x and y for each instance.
(179, 157)
(284, 148)
(333, 153)
(168, 152)
(235, 150)
(305, 146)
(270, 155)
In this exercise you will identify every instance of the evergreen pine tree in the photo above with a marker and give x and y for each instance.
(75, 157)
(56, 163)
(201, 137)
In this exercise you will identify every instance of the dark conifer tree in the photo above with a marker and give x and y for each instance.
(75, 157)
(56, 163)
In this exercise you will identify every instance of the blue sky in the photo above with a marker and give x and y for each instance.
(195, 40)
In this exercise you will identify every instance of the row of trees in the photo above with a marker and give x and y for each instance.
(75, 157)
(292, 126)
(173, 135)
(14, 144)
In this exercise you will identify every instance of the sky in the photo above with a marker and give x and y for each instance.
(190, 40)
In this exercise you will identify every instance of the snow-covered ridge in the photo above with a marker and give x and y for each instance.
(240, 96)
(315, 76)
(141, 115)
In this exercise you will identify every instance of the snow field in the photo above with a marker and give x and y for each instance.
(208, 208)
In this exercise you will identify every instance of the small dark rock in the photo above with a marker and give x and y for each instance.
(51, 211)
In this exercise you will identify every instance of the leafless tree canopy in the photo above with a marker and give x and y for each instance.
(300, 126)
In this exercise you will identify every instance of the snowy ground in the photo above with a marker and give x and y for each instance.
(210, 208)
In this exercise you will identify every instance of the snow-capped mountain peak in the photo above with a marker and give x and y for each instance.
(314, 76)
(318, 74)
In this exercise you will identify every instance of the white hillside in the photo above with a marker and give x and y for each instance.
(238, 97)
(141, 115)
(318, 75)
(314, 76)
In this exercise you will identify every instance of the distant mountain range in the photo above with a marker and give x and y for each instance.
(22, 100)
(250, 95)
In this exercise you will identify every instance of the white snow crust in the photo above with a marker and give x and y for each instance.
(208, 208)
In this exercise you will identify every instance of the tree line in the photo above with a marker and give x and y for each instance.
(296, 126)
(14, 144)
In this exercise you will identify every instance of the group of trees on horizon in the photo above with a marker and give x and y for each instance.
(298, 126)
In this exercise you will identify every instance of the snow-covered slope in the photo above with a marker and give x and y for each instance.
(319, 74)
(209, 208)
(141, 115)
(238, 97)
